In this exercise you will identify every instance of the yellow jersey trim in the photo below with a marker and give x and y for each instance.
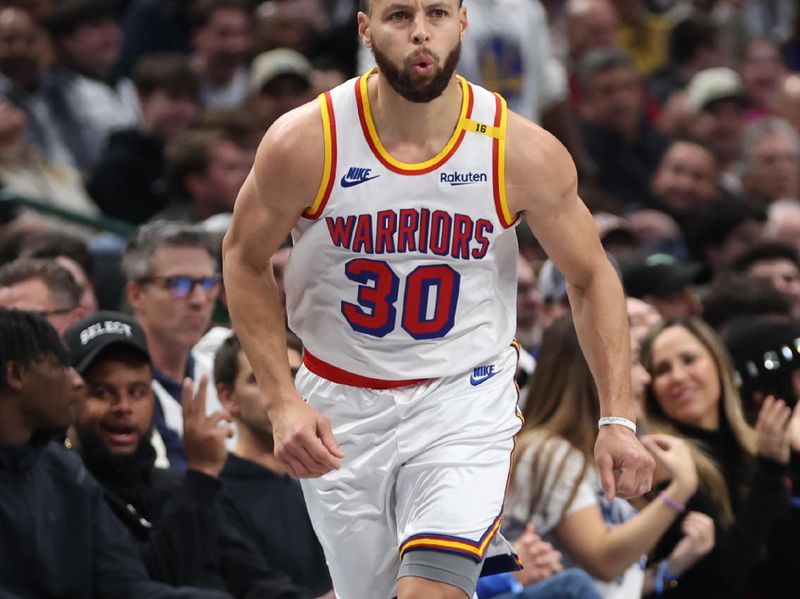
(408, 166)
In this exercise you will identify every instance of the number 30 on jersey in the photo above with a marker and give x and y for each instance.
(376, 311)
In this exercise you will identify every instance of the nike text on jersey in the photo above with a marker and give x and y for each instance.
(357, 175)
(482, 374)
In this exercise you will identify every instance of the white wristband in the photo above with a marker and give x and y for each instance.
(617, 420)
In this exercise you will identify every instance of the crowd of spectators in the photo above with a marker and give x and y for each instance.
(135, 457)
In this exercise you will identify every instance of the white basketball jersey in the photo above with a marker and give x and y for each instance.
(405, 271)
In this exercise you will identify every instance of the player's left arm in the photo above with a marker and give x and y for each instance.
(541, 186)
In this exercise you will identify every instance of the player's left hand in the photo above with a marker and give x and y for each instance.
(625, 466)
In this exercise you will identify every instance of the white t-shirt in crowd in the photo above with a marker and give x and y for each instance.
(564, 468)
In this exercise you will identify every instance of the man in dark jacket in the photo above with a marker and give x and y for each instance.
(624, 146)
(130, 182)
(258, 494)
(58, 538)
(173, 517)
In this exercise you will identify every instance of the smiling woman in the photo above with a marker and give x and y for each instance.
(693, 395)
(556, 487)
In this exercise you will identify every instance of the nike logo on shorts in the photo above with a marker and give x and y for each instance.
(482, 374)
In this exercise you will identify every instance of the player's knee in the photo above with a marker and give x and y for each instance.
(437, 575)
(412, 587)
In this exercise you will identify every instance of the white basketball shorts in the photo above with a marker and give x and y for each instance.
(424, 474)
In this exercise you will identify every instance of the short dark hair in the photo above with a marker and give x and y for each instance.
(54, 244)
(733, 295)
(712, 225)
(58, 279)
(68, 15)
(688, 37)
(766, 251)
(238, 125)
(687, 139)
(226, 361)
(601, 60)
(203, 10)
(366, 5)
(27, 338)
(172, 73)
(190, 154)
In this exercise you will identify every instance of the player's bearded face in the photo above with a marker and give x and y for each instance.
(412, 85)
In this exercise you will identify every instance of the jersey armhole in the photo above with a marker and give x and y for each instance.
(499, 163)
(329, 169)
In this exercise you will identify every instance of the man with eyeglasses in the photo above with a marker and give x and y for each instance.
(173, 282)
(42, 286)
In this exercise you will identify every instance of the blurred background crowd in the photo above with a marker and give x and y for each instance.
(126, 130)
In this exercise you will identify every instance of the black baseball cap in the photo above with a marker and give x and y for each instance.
(766, 353)
(88, 338)
(658, 275)
(762, 346)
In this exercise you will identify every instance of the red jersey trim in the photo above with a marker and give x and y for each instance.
(329, 170)
(344, 377)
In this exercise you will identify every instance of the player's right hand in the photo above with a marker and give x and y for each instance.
(625, 466)
(304, 441)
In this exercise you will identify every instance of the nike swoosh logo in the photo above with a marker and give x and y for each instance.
(475, 381)
(352, 182)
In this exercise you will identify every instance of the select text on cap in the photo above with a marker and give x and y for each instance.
(108, 327)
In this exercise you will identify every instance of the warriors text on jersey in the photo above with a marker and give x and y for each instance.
(405, 271)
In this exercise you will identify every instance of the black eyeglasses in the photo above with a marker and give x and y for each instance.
(181, 286)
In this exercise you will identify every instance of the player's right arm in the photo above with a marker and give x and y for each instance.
(282, 184)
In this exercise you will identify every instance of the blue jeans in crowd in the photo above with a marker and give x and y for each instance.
(569, 584)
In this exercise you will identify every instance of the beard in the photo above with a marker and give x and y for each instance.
(412, 87)
(108, 467)
(259, 427)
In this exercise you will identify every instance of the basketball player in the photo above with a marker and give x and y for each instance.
(401, 189)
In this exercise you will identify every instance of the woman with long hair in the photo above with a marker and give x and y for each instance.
(556, 486)
(693, 395)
